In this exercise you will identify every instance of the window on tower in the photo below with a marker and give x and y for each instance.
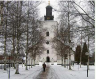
(47, 42)
(47, 33)
(47, 51)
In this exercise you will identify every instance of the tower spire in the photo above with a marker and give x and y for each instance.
(48, 2)
(48, 12)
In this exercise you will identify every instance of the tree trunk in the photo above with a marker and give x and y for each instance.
(69, 62)
(27, 39)
(5, 41)
(4, 63)
(31, 63)
(34, 62)
(14, 63)
(17, 62)
(26, 62)
(13, 52)
(64, 62)
(2, 4)
(17, 68)
(88, 52)
(69, 39)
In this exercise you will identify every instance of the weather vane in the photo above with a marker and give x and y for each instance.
(48, 2)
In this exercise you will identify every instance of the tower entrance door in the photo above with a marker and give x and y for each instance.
(47, 59)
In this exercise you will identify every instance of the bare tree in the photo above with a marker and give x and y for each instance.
(69, 22)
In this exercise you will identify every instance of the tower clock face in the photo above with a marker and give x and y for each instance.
(48, 18)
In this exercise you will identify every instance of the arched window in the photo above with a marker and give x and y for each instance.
(47, 51)
(47, 42)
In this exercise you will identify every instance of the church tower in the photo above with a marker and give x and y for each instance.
(49, 54)
(49, 13)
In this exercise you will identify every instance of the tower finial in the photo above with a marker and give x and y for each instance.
(48, 2)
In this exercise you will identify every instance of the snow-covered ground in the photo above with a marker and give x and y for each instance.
(75, 73)
(24, 74)
(54, 72)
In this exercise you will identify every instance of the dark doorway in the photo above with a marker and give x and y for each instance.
(47, 59)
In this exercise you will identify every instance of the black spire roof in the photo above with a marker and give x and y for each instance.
(48, 6)
(48, 13)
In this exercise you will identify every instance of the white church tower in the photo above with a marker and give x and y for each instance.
(49, 55)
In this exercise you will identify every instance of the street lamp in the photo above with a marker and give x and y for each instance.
(87, 62)
(9, 67)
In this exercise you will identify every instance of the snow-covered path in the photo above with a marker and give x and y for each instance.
(48, 74)
(52, 72)
(42, 75)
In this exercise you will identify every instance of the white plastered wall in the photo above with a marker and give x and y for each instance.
(49, 26)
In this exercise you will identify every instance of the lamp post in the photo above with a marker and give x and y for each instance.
(9, 67)
(87, 62)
